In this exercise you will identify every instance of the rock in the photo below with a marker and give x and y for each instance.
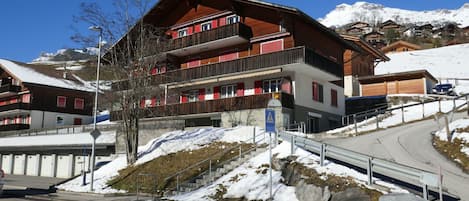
(309, 192)
(350, 194)
(400, 197)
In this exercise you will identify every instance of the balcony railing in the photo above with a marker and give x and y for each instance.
(226, 31)
(10, 88)
(11, 127)
(211, 106)
(298, 55)
(15, 106)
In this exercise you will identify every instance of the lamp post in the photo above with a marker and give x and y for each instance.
(95, 133)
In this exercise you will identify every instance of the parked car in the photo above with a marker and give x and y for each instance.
(444, 89)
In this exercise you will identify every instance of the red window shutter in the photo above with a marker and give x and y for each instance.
(334, 97)
(201, 94)
(216, 92)
(153, 101)
(240, 89)
(154, 71)
(26, 98)
(163, 69)
(229, 57)
(29, 119)
(193, 64)
(14, 100)
(271, 46)
(184, 98)
(189, 30)
(258, 87)
(17, 120)
(214, 24)
(222, 21)
(315, 91)
(174, 34)
(197, 28)
(142, 102)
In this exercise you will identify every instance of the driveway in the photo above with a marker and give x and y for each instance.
(411, 145)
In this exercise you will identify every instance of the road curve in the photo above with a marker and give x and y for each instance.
(411, 145)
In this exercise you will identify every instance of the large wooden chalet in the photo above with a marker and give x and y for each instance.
(35, 97)
(239, 54)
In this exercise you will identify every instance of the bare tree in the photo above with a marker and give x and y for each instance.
(133, 58)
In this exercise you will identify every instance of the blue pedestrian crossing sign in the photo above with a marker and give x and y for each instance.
(269, 120)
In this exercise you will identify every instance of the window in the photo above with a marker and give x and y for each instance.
(271, 86)
(228, 91)
(61, 101)
(318, 92)
(232, 19)
(183, 32)
(79, 103)
(193, 96)
(206, 26)
(334, 98)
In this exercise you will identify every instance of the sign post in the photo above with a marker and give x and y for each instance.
(95, 134)
(270, 128)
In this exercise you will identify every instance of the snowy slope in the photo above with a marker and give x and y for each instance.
(444, 62)
(370, 12)
(64, 55)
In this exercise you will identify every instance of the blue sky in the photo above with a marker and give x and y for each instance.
(29, 27)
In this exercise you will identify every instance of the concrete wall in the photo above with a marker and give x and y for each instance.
(41, 119)
(304, 95)
(302, 114)
(149, 129)
(255, 117)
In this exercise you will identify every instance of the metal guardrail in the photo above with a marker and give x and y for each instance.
(372, 165)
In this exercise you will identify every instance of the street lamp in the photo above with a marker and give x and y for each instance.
(95, 133)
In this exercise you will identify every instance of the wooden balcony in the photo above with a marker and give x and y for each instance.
(227, 35)
(15, 106)
(11, 127)
(8, 90)
(212, 106)
(299, 58)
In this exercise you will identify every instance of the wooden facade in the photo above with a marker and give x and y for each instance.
(400, 46)
(414, 82)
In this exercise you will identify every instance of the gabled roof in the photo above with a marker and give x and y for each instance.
(42, 75)
(400, 43)
(159, 10)
(397, 76)
(367, 47)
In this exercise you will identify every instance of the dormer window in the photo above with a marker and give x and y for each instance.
(232, 19)
(206, 26)
(182, 32)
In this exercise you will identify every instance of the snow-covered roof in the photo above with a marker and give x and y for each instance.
(36, 74)
(81, 139)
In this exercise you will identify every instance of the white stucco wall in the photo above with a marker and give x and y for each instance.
(50, 119)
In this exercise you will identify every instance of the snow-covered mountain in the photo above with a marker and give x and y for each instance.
(372, 13)
(63, 55)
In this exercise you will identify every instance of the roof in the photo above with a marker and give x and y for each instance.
(397, 76)
(373, 32)
(157, 11)
(42, 75)
(367, 47)
(400, 43)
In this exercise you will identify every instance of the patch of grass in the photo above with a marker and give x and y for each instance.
(452, 150)
(151, 176)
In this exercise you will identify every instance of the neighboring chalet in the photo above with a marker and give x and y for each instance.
(412, 82)
(376, 39)
(389, 25)
(358, 28)
(400, 46)
(252, 51)
(465, 31)
(359, 64)
(424, 31)
(34, 96)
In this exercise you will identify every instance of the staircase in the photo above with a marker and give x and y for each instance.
(208, 177)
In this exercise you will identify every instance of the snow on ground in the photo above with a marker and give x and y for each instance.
(106, 137)
(410, 114)
(253, 185)
(168, 143)
(463, 136)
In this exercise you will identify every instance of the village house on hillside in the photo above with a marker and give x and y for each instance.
(252, 51)
(400, 46)
(34, 97)
(359, 64)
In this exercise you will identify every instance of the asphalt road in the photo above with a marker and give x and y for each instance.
(411, 145)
